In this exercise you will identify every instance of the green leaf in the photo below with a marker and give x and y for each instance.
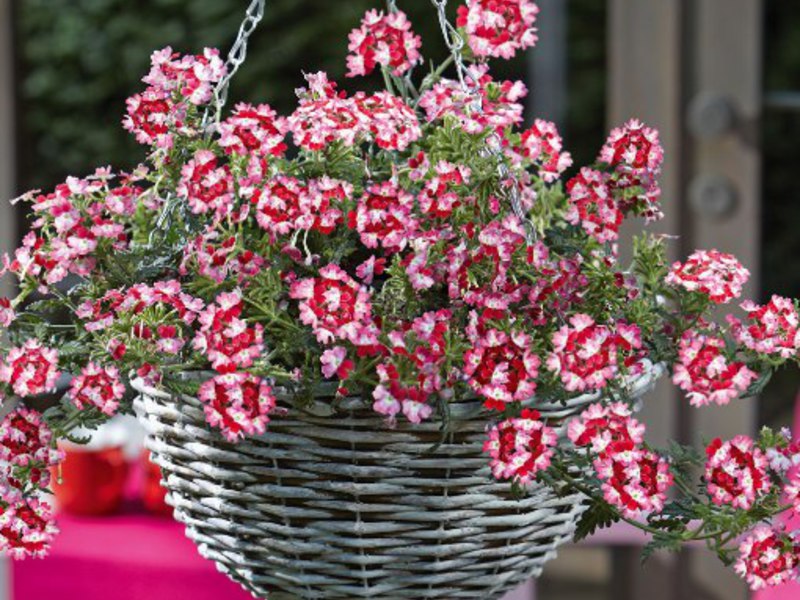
(599, 515)
(660, 542)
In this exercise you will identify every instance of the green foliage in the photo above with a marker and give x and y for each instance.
(599, 515)
(80, 60)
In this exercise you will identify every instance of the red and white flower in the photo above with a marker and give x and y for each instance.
(601, 427)
(206, 186)
(334, 362)
(278, 204)
(736, 472)
(98, 386)
(768, 557)
(150, 118)
(501, 367)
(27, 528)
(383, 217)
(392, 396)
(334, 305)
(634, 147)
(7, 313)
(498, 28)
(389, 120)
(27, 451)
(226, 339)
(635, 480)
(773, 328)
(238, 404)
(30, 369)
(587, 355)
(542, 145)
(520, 447)
(499, 101)
(192, 77)
(253, 131)
(712, 273)
(383, 39)
(324, 116)
(707, 375)
(592, 205)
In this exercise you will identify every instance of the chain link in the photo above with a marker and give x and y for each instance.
(237, 55)
(471, 86)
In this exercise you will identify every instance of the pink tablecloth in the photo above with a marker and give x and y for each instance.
(133, 556)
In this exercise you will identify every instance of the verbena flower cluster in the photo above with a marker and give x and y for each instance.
(418, 246)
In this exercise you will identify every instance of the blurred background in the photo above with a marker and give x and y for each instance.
(719, 78)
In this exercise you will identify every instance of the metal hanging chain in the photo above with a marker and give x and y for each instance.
(471, 86)
(237, 54)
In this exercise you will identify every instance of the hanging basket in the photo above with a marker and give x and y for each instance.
(338, 506)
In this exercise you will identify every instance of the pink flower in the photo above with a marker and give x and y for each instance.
(543, 146)
(334, 305)
(633, 146)
(634, 480)
(391, 122)
(520, 447)
(501, 367)
(27, 528)
(238, 404)
(771, 329)
(768, 557)
(278, 204)
(440, 196)
(30, 369)
(220, 259)
(603, 427)
(706, 374)
(253, 130)
(500, 106)
(207, 187)
(226, 339)
(383, 40)
(324, 116)
(592, 205)
(391, 396)
(192, 77)
(587, 355)
(736, 472)
(321, 205)
(711, 273)
(27, 451)
(791, 490)
(383, 217)
(335, 362)
(150, 115)
(634, 154)
(371, 267)
(97, 386)
(498, 28)
(7, 314)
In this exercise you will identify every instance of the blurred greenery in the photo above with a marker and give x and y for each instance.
(80, 59)
(781, 137)
(780, 264)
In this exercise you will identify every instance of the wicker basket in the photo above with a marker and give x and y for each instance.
(326, 506)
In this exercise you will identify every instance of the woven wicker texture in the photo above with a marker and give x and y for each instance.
(341, 507)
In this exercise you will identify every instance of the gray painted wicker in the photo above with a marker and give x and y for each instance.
(341, 507)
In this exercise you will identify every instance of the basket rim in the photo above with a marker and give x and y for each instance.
(637, 385)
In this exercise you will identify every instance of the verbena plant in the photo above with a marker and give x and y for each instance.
(417, 248)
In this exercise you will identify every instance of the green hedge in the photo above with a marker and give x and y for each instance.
(80, 59)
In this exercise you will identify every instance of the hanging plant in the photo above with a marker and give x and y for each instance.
(414, 261)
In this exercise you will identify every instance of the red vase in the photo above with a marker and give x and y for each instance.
(153, 495)
(92, 482)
